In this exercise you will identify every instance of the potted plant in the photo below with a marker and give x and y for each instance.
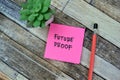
(37, 13)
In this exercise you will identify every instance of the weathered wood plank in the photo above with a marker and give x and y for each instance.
(21, 63)
(60, 4)
(19, 33)
(108, 52)
(4, 77)
(10, 73)
(110, 7)
(103, 68)
(26, 63)
(87, 15)
(23, 37)
(19, 2)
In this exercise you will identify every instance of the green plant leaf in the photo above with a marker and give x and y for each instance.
(24, 5)
(52, 11)
(42, 24)
(40, 17)
(47, 3)
(47, 15)
(30, 4)
(30, 1)
(32, 17)
(38, 8)
(36, 23)
(25, 12)
(29, 7)
(44, 9)
(23, 17)
(36, 12)
(38, 1)
(32, 10)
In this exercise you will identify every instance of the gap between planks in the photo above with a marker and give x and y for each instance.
(60, 4)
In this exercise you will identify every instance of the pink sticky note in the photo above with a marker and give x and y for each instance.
(64, 43)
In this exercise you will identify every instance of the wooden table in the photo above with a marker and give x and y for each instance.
(22, 48)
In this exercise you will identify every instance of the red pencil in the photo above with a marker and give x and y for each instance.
(92, 54)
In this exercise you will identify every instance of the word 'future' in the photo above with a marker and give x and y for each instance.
(65, 39)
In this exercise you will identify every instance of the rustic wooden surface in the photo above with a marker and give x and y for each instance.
(14, 30)
(88, 15)
(24, 64)
(28, 43)
(110, 7)
(9, 73)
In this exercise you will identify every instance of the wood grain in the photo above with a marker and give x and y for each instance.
(109, 7)
(10, 74)
(15, 29)
(3, 77)
(105, 49)
(19, 2)
(88, 15)
(81, 74)
(60, 4)
(22, 63)
(101, 66)
(99, 62)
(27, 41)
